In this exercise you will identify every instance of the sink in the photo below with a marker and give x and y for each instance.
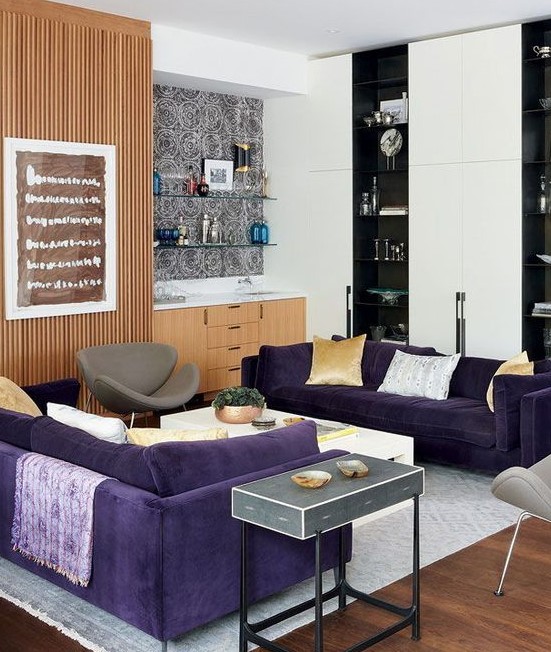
(253, 293)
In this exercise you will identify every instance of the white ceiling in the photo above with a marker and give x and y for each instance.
(301, 25)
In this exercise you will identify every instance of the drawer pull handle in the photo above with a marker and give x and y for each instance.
(233, 307)
(234, 348)
(234, 368)
(205, 316)
(232, 328)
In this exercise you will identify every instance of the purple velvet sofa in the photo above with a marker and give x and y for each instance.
(166, 554)
(460, 430)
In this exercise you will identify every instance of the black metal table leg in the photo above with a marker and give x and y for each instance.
(416, 589)
(341, 577)
(243, 597)
(318, 611)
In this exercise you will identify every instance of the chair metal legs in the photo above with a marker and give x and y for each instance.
(132, 419)
(499, 591)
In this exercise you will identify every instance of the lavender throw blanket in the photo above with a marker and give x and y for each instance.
(53, 516)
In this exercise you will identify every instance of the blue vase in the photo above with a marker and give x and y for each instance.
(156, 182)
(256, 232)
(264, 233)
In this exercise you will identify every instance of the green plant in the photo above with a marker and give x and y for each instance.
(238, 396)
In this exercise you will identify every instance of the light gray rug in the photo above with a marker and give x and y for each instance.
(456, 511)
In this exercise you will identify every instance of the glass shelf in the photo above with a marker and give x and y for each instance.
(392, 125)
(213, 196)
(380, 305)
(212, 246)
(387, 81)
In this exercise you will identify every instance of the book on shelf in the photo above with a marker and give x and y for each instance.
(326, 431)
(393, 210)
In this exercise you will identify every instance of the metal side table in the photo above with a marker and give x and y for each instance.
(278, 504)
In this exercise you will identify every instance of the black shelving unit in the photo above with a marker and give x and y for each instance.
(536, 161)
(378, 75)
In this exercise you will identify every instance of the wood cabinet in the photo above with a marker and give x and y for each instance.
(216, 338)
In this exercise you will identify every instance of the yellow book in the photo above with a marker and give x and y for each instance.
(325, 433)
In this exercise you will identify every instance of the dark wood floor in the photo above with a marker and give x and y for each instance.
(459, 610)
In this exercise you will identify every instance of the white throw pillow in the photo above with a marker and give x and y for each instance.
(107, 428)
(419, 375)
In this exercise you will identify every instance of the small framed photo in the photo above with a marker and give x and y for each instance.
(397, 108)
(219, 174)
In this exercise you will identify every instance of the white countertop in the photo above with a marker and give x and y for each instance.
(219, 298)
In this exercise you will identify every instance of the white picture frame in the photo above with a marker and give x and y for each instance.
(219, 174)
(397, 108)
(59, 228)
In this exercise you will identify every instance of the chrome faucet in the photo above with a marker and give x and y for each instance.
(245, 281)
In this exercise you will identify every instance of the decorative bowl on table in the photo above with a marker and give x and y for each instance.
(288, 421)
(238, 404)
(389, 296)
(352, 468)
(238, 413)
(311, 479)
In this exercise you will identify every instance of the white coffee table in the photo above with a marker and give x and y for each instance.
(375, 443)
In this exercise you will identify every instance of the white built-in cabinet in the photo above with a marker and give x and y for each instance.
(308, 154)
(465, 191)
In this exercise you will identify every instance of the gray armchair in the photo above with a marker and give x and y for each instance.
(530, 490)
(136, 377)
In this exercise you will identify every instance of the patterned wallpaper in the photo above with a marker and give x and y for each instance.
(189, 125)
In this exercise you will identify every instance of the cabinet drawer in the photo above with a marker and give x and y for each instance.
(220, 378)
(221, 336)
(233, 313)
(230, 356)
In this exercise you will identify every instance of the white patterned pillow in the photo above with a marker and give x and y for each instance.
(419, 375)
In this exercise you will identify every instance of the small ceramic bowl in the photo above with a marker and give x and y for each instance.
(353, 468)
(311, 479)
(288, 421)
(545, 103)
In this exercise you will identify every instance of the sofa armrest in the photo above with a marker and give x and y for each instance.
(249, 366)
(535, 426)
(64, 391)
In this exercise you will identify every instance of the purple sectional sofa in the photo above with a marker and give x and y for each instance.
(460, 430)
(166, 554)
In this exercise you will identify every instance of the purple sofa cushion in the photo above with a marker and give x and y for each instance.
(124, 462)
(461, 419)
(508, 392)
(378, 356)
(472, 377)
(283, 365)
(542, 366)
(15, 428)
(64, 391)
(181, 466)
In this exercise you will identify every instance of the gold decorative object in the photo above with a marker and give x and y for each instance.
(311, 479)
(238, 413)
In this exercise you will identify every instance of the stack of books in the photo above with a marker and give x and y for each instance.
(327, 431)
(542, 309)
(393, 210)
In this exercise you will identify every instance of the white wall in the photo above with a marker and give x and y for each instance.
(308, 153)
(183, 58)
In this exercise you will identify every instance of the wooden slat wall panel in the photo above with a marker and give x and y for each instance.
(69, 74)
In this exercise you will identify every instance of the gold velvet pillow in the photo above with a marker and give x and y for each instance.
(149, 436)
(337, 363)
(12, 397)
(518, 365)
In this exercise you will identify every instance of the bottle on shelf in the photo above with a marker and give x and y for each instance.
(365, 205)
(215, 234)
(157, 182)
(374, 195)
(256, 232)
(186, 237)
(542, 196)
(182, 235)
(206, 229)
(264, 232)
(203, 186)
(190, 181)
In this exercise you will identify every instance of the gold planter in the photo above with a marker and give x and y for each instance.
(237, 413)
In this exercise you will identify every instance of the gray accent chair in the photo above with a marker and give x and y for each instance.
(530, 490)
(136, 377)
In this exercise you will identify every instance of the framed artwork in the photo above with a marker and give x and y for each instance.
(397, 108)
(59, 228)
(219, 174)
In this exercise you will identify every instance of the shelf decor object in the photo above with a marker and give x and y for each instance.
(219, 174)
(388, 296)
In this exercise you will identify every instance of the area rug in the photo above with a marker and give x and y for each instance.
(456, 511)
